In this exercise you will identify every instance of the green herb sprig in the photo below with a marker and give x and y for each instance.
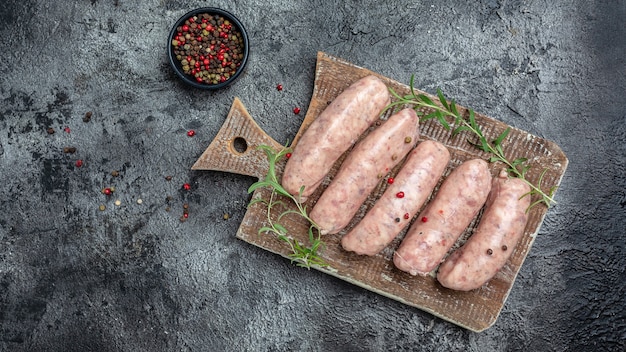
(300, 254)
(447, 109)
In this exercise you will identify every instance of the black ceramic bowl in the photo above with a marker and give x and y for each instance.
(208, 48)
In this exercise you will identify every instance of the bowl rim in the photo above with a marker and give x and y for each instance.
(175, 64)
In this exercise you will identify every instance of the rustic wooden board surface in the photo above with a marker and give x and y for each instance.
(234, 150)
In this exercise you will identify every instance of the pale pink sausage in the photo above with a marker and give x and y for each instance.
(487, 250)
(365, 166)
(439, 225)
(416, 180)
(332, 133)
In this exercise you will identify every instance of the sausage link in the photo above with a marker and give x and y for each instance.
(444, 219)
(363, 168)
(332, 133)
(416, 179)
(487, 250)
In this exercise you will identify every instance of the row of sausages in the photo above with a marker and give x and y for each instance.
(463, 193)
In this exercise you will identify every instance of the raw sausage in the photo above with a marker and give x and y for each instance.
(332, 133)
(363, 168)
(439, 225)
(370, 160)
(416, 179)
(391, 214)
(487, 250)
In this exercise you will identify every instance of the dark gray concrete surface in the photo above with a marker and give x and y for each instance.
(135, 278)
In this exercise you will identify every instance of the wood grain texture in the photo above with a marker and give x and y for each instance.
(235, 147)
(475, 310)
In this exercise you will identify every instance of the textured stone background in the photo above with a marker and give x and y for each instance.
(135, 278)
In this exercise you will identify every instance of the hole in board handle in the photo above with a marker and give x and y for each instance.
(238, 145)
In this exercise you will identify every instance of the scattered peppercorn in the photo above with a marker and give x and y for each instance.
(209, 48)
(397, 219)
(87, 116)
(504, 247)
(69, 150)
(115, 173)
(185, 206)
(489, 251)
(168, 178)
(394, 157)
(296, 110)
(50, 130)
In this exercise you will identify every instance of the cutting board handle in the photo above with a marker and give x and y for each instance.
(235, 148)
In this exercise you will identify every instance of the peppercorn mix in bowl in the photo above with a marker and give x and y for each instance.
(208, 48)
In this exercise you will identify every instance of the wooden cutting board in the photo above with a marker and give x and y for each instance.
(234, 149)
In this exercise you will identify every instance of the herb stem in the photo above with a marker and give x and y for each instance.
(447, 109)
(302, 255)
